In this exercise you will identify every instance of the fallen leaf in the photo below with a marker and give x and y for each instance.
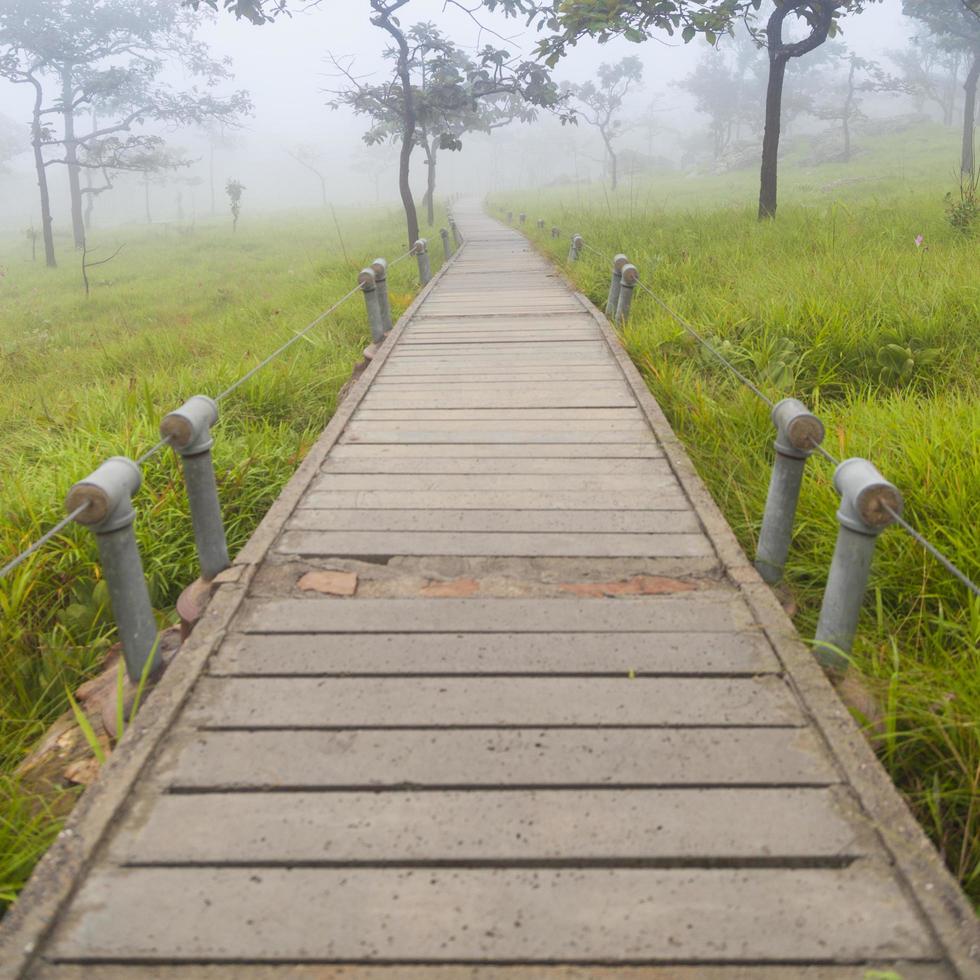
(638, 585)
(329, 583)
(453, 589)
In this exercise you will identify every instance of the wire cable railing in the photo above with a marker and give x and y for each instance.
(54, 531)
(813, 445)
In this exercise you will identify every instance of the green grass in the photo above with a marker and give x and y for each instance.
(176, 314)
(807, 306)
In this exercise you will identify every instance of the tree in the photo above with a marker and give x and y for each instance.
(843, 96)
(311, 158)
(599, 105)
(956, 26)
(234, 190)
(637, 19)
(109, 55)
(931, 73)
(435, 94)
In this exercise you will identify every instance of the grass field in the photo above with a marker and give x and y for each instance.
(814, 305)
(177, 313)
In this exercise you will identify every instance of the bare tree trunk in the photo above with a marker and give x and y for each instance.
(769, 178)
(323, 189)
(409, 118)
(71, 157)
(613, 162)
(211, 177)
(146, 200)
(430, 188)
(848, 109)
(968, 162)
(37, 144)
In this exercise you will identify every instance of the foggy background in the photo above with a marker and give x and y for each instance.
(283, 67)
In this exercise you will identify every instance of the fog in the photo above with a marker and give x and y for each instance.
(283, 66)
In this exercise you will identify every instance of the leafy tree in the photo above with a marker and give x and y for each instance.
(637, 19)
(843, 96)
(600, 105)
(435, 94)
(110, 56)
(931, 73)
(234, 190)
(956, 26)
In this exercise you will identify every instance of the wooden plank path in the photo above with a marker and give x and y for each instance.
(561, 730)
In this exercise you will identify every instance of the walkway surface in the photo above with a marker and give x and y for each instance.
(561, 729)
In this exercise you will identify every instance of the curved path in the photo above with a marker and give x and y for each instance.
(560, 730)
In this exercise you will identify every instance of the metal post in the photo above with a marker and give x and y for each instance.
(457, 237)
(522, 217)
(798, 433)
(510, 217)
(422, 255)
(189, 431)
(865, 495)
(380, 267)
(540, 224)
(108, 493)
(555, 231)
(445, 243)
(629, 277)
(366, 281)
(575, 248)
(612, 302)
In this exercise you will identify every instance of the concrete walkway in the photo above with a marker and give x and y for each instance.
(560, 730)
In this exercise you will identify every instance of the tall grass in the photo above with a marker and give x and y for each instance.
(175, 314)
(808, 306)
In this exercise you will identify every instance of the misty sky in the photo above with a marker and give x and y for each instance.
(283, 66)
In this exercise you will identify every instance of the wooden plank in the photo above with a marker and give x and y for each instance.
(719, 613)
(239, 971)
(461, 757)
(401, 464)
(584, 429)
(496, 653)
(480, 915)
(386, 544)
(495, 414)
(568, 827)
(528, 398)
(543, 482)
(601, 452)
(517, 521)
(452, 702)
(494, 500)
(435, 434)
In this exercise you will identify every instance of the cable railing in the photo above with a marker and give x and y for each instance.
(869, 503)
(103, 500)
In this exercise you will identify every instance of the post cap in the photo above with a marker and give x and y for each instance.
(865, 494)
(380, 267)
(619, 261)
(444, 232)
(630, 274)
(108, 494)
(188, 429)
(578, 241)
(366, 280)
(421, 246)
(798, 431)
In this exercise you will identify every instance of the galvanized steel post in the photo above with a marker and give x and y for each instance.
(798, 433)
(522, 217)
(555, 231)
(447, 248)
(612, 302)
(629, 277)
(510, 217)
(457, 237)
(188, 430)
(421, 250)
(109, 514)
(540, 224)
(575, 248)
(366, 281)
(863, 514)
(380, 268)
